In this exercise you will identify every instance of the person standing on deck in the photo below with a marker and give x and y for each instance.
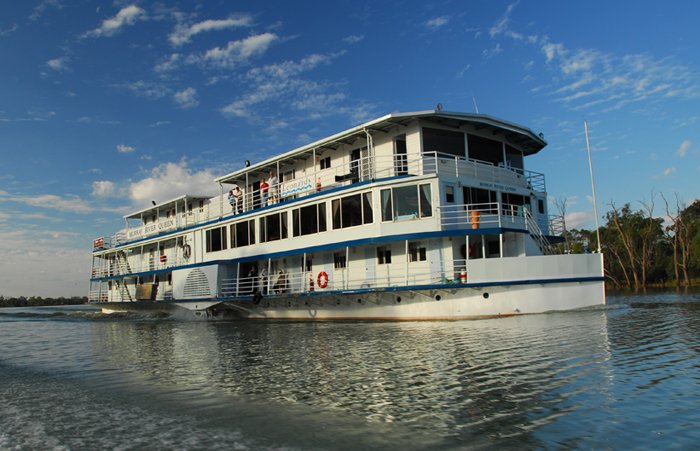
(264, 187)
(274, 188)
(238, 199)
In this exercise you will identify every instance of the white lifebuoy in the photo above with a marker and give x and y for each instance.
(322, 279)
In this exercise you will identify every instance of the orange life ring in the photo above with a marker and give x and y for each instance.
(322, 280)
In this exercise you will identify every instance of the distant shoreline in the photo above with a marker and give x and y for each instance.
(37, 301)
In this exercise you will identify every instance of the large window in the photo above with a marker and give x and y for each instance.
(243, 233)
(309, 219)
(406, 202)
(352, 210)
(443, 141)
(273, 227)
(482, 197)
(485, 149)
(216, 239)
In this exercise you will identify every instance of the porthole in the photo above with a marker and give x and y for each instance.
(438, 297)
(398, 299)
(486, 295)
(359, 301)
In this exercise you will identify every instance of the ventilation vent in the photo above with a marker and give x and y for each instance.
(196, 285)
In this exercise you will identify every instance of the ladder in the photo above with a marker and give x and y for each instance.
(536, 233)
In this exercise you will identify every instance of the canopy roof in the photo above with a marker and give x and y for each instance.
(520, 136)
(164, 206)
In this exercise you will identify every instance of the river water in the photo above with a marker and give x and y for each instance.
(623, 376)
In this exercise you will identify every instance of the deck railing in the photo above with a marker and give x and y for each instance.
(312, 182)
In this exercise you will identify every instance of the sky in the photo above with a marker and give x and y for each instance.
(105, 106)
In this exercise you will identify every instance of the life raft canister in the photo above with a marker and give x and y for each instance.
(322, 279)
(474, 218)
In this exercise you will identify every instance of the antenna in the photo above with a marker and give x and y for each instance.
(595, 202)
(476, 107)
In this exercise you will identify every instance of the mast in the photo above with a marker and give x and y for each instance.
(595, 201)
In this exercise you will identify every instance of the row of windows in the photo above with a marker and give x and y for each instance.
(399, 203)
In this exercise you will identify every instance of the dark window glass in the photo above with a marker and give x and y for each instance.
(426, 206)
(383, 255)
(351, 211)
(339, 260)
(322, 217)
(295, 222)
(449, 194)
(443, 141)
(367, 215)
(309, 220)
(335, 207)
(387, 207)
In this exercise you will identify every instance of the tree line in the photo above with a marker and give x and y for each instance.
(642, 250)
(35, 301)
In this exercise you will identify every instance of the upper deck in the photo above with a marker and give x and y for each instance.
(465, 148)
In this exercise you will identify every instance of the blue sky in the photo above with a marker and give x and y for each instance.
(107, 105)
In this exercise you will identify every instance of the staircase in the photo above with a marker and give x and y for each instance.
(536, 233)
(123, 268)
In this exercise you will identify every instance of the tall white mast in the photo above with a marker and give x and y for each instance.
(595, 201)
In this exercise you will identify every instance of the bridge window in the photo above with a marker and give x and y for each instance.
(443, 141)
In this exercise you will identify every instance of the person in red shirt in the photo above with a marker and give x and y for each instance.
(264, 187)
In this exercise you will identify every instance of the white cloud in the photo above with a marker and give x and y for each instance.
(148, 89)
(68, 203)
(123, 148)
(186, 98)
(503, 23)
(353, 39)
(590, 78)
(683, 149)
(490, 53)
(169, 64)
(238, 51)
(280, 82)
(170, 180)
(578, 219)
(57, 64)
(669, 171)
(6, 31)
(103, 188)
(26, 251)
(437, 22)
(41, 8)
(128, 15)
(183, 33)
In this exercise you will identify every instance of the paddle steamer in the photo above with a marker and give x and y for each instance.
(419, 215)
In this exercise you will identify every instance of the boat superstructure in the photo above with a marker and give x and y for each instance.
(421, 215)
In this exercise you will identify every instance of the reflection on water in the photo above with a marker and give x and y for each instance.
(624, 375)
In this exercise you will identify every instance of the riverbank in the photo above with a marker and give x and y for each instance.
(38, 301)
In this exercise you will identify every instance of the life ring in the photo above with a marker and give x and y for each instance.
(186, 251)
(322, 280)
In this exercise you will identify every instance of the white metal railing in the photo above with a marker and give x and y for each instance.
(315, 181)
(442, 163)
(339, 280)
(492, 214)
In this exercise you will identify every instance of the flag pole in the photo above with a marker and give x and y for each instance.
(595, 201)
